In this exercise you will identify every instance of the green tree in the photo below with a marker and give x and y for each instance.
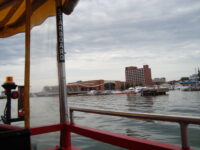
(184, 78)
(198, 74)
(172, 82)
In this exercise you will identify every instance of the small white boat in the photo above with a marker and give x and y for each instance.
(138, 89)
(92, 92)
(185, 88)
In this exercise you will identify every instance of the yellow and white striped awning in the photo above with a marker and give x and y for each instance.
(13, 14)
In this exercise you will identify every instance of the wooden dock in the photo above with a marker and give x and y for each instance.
(154, 91)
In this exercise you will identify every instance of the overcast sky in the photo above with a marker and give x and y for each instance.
(102, 37)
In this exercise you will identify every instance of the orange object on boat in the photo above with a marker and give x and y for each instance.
(9, 79)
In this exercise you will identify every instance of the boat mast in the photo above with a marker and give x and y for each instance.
(64, 111)
(27, 65)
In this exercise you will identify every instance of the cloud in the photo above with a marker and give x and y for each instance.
(103, 37)
(153, 32)
(11, 50)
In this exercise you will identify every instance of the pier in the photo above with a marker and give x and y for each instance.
(154, 91)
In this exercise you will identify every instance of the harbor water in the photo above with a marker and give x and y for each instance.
(45, 110)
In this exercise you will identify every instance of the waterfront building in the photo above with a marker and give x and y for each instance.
(98, 85)
(138, 76)
(159, 80)
(50, 89)
(84, 86)
(194, 77)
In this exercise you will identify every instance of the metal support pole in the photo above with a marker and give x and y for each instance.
(8, 105)
(64, 111)
(184, 136)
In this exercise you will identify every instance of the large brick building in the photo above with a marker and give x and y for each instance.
(138, 76)
(98, 85)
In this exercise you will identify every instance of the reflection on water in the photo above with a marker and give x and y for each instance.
(137, 103)
(44, 110)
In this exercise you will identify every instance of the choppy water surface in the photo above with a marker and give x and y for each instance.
(45, 110)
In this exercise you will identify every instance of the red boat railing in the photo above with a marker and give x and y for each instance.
(182, 121)
(123, 141)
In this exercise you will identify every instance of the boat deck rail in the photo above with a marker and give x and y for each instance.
(182, 121)
(124, 141)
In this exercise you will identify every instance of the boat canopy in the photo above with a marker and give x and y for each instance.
(18, 16)
(13, 14)
(188, 82)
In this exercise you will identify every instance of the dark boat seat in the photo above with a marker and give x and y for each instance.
(14, 139)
